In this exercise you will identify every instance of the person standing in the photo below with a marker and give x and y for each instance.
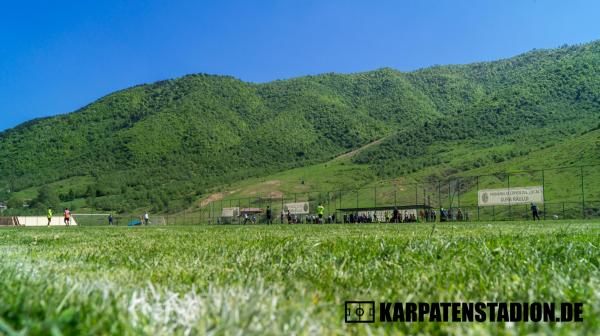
(320, 212)
(146, 218)
(534, 212)
(49, 215)
(67, 219)
(269, 215)
(110, 219)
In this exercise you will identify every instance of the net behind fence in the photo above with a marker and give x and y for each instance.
(564, 193)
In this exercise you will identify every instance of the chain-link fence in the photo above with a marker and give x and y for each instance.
(563, 193)
(556, 193)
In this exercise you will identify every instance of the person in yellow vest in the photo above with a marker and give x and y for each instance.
(320, 212)
(49, 215)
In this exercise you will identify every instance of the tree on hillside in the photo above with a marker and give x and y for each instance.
(15, 203)
(46, 198)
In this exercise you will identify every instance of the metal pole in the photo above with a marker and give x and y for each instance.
(478, 198)
(271, 207)
(440, 197)
(458, 192)
(543, 193)
(340, 206)
(449, 196)
(509, 205)
(416, 193)
(328, 204)
(582, 194)
(259, 206)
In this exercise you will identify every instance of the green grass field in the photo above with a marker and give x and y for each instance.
(285, 279)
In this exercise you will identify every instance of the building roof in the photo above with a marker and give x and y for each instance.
(251, 210)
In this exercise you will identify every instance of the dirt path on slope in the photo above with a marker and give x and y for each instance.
(358, 150)
(216, 197)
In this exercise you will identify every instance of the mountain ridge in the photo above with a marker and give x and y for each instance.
(170, 142)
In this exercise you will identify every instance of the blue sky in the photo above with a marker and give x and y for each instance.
(57, 56)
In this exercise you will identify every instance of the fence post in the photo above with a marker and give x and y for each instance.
(509, 203)
(543, 193)
(328, 206)
(458, 192)
(440, 198)
(260, 207)
(478, 198)
(230, 202)
(271, 207)
(582, 194)
(336, 213)
(449, 196)
(416, 193)
(221, 213)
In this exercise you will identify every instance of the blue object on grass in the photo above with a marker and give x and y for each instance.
(134, 222)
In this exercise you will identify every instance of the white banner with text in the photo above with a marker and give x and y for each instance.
(300, 208)
(510, 196)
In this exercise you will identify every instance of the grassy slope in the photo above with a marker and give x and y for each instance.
(342, 174)
(269, 280)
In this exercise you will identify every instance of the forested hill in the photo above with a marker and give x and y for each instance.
(164, 144)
